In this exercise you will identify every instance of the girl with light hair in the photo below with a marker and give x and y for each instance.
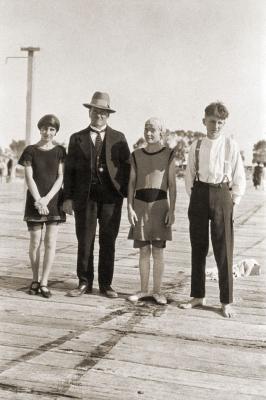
(150, 213)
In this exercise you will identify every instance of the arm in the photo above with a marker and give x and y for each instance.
(170, 216)
(69, 178)
(132, 217)
(44, 201)
(42, 209)
(70, 170)
(238, 176)
(125, 163)
(190, 170)
(31, 183)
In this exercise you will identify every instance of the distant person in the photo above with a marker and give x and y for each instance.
(150, 213)
(95, 183)
(2, 170)
(44, 163)
(263, 178)
(257, 175)
(215, 181)
(9, 170)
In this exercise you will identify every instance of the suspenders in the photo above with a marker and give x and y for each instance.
(197, 158)
(226, 159)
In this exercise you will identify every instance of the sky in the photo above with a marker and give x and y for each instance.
(162, 58)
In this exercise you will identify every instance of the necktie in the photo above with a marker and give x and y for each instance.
(98, 140)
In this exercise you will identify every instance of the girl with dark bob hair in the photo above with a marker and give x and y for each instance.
(43, 162)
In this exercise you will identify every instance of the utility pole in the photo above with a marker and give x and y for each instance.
(30, 51)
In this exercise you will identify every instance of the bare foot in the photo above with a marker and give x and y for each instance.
(195, 302)
(227, 311)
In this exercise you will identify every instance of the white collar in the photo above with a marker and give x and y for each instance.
(97, 129)
(212, 142)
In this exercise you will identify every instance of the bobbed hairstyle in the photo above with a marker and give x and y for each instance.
(156, 122)
(217, 109)
(49, 120)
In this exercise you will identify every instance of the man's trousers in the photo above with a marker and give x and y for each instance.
(211, 203)
(108, 216)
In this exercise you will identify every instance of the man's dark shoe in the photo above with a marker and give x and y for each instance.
(89, 290)
(109, 292)
(81, 289)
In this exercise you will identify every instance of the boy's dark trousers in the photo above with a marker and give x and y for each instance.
(213, 203)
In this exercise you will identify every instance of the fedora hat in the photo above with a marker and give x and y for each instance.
(100, 100)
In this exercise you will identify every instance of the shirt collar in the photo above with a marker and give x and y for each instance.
(214, 141)
(103, 128)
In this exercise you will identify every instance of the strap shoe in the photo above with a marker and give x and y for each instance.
(34, 288)
(159, 298)
(137, 296)
(45, 292)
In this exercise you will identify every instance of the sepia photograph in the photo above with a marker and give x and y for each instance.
(133, 199)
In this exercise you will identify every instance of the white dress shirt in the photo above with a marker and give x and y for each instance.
(211, 165)
(94, 134)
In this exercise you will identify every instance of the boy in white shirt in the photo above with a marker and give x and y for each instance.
(215, 181)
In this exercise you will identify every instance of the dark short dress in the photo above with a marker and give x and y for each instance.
(44, 165)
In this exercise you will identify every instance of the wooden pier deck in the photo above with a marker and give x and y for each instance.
(96, 348)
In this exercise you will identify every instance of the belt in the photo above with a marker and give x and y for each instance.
(215, 185)
(150, 195)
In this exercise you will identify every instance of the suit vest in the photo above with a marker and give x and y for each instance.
(100, 176)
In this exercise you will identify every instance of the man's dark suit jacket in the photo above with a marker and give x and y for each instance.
(78, 168)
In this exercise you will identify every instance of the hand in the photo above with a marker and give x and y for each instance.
(132, 216)
(42, 210)
(169, 219)
(41, 206)
(235, 208)
(68, 207)
(42, 202)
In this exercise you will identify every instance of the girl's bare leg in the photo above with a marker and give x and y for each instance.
(35, 253)
(49, 252)
(158, 268)
(144, 267)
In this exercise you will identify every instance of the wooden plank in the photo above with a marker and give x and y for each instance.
(190, 356)
(111, 386)
(110, 349)
(235, 385)
(183, 324)
(12, 394)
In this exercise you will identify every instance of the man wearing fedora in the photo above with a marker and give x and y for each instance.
(95, 182)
